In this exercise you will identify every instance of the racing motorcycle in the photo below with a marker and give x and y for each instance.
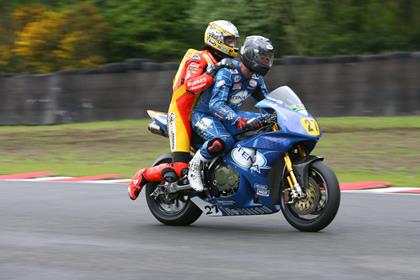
(267, 170)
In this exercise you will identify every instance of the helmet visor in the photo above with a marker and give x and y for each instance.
(230, 41)
(265, 59)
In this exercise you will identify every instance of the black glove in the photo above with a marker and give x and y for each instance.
(224, 63)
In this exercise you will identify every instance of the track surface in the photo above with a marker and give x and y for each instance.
(90, 231)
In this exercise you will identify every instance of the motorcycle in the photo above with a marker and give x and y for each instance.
(267, 170)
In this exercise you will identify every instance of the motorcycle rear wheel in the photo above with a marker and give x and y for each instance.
(320, 207)
(178, 211)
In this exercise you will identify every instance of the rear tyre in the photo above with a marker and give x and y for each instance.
(175, 209)
(319, 208)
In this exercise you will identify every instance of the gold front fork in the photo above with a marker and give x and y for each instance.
(296, 189)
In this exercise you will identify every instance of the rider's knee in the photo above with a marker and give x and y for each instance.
(229, 142)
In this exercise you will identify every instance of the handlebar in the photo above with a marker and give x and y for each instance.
(269, 119)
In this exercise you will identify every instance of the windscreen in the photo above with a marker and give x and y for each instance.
(289, 99)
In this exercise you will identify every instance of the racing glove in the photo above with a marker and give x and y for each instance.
(253, 124)
(241, 123)
(248, 124)
(224, 63)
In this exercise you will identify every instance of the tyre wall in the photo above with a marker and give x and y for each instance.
(371, 85)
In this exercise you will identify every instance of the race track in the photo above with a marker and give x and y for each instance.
(93, 231)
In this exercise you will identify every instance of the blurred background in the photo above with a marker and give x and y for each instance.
(40, 36)
(354, 63)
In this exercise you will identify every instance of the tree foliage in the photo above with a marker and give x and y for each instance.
(49, 35)
(46, 40)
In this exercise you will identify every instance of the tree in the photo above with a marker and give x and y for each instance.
(147, 28)
(52, 41)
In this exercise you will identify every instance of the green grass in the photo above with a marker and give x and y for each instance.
(357, 148)
(370, 122)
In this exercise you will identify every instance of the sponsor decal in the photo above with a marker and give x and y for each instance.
(196, 56)
(220, 83)
(236, 78)
(269, 47)
(172, 130)
(253, 83)
(243, 157)
(259, 163)
(193, 68)
(238, 97)
(204, 124)
(248, 211)
(225, 202)
(262, 190)
(222, 48)
(229, 116)
(216, 34)
(211, 41)
(237, 86)
(196, 82)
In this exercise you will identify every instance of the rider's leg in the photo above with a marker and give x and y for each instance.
(179, 130)
(158, 173)
(218, 140)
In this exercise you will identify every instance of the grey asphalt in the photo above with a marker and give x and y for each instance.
(89, 231)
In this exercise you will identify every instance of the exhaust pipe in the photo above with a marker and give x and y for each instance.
(154, 128)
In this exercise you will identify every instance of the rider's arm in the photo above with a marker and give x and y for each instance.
(219, 96)
(263, 87)
(261, 91)
(196, 80)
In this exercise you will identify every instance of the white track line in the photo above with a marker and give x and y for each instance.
(115, 181)
(41, 179)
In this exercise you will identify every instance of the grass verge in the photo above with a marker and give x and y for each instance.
(357, 148)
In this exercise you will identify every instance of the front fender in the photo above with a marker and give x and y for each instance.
(301, 168)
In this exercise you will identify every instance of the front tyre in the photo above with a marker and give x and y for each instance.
(321, 204)
(174, 209)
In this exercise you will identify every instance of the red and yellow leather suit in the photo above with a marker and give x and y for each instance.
(190, 80)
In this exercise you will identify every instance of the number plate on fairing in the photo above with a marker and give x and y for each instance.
(311, 126)
(207, 208)
(214, 210)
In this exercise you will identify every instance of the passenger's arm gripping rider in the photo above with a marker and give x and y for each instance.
(224, 63)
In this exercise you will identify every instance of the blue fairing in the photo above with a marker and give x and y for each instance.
(253, 158)
(269, 148)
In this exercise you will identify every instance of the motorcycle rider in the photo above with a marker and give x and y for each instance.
(219, 107)
(195, 74)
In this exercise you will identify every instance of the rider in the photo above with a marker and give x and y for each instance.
(218, 108)
(195, 74)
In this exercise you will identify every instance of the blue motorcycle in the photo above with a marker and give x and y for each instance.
(266, 171)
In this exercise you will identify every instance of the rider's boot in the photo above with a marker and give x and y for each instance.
(194, 173)
(165, 171)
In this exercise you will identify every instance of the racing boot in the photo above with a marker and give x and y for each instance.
(165, 171)
(194, 173)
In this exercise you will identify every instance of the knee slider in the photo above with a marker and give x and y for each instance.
(215, 147)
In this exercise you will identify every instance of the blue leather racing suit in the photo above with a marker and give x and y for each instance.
(218, 106)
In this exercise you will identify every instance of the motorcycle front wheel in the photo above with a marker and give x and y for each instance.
(318, 209)
(174, 209)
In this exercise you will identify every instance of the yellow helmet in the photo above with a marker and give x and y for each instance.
(222, 36)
